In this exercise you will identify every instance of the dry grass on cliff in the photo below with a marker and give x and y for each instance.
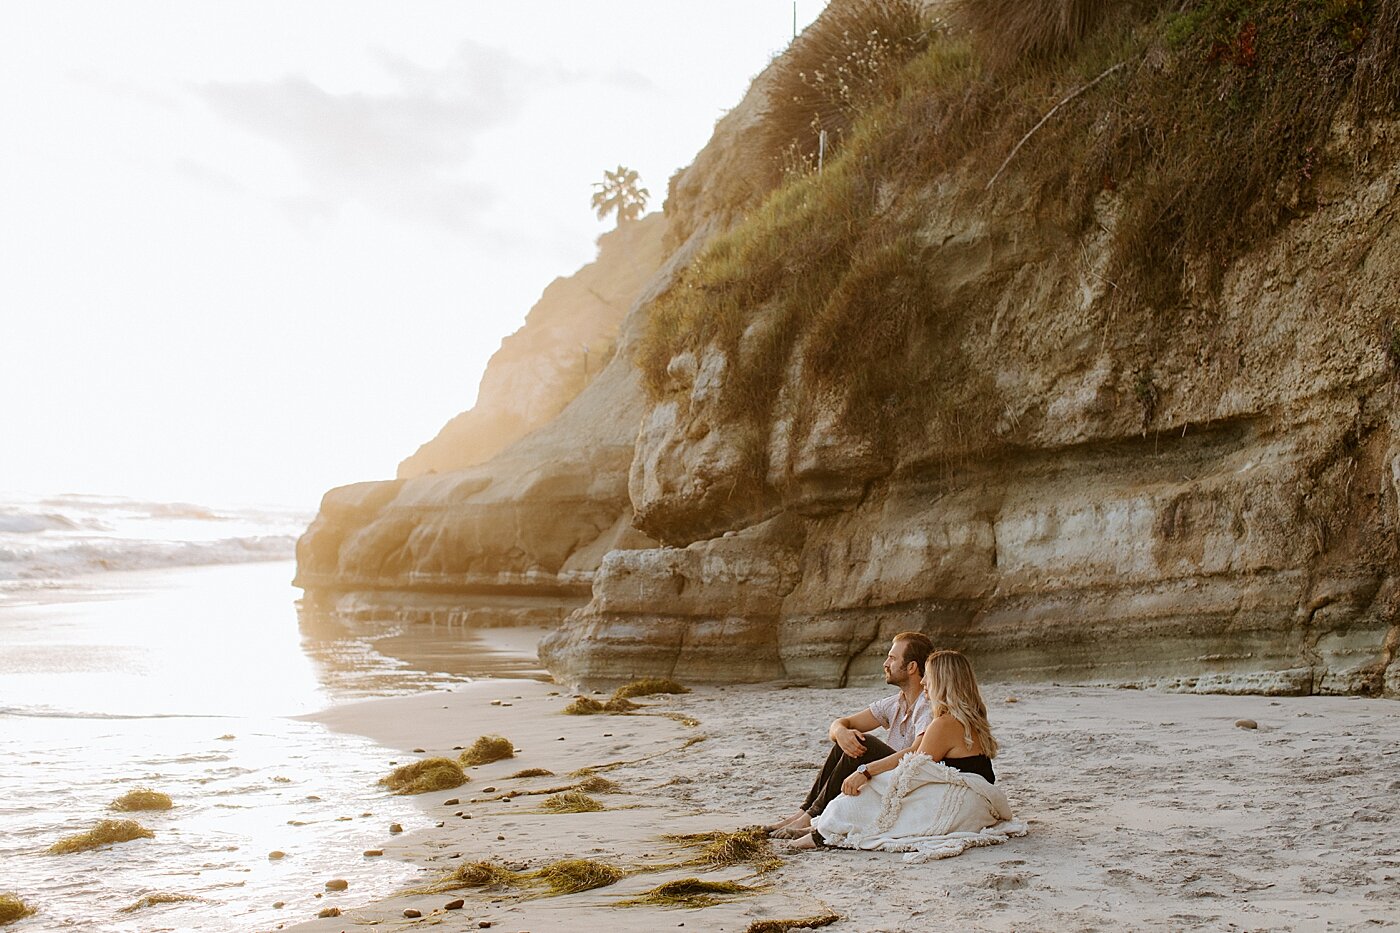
(836, 69)
(1207, 121)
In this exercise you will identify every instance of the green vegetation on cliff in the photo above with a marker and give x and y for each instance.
(1204, 123)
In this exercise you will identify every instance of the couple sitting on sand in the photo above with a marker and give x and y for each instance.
(928, 790)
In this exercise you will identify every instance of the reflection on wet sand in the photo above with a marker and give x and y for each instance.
(360, 657)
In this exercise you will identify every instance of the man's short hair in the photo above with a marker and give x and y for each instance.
(917, 648)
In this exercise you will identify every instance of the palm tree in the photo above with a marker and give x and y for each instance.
(618, 192)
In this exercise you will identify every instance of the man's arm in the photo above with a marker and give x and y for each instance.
(849, 731)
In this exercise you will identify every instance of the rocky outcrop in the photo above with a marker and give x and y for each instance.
(1201, 498)
(568, 337)
(516, 539)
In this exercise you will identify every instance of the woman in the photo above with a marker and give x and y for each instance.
(939, 799)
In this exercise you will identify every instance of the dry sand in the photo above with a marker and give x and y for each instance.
(1148, 811)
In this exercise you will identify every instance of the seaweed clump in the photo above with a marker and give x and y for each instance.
(782, 926)
(649, 686)
(487, 749)
(720, 849)
(12, 908)
(532, 772)
(106, 832)
(688, 893)
(571, 802)
(142, 798)
(421, 777)
(587, 706)
(471, 875)
(151, 900)
(565, 876)
(571, 875)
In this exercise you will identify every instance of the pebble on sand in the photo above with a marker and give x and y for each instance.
(371, 853)
(337, 884)
(395, 828)
(275, 854)
(451, 801)
(1246, 723)
(329, 912)
(458, 904)
(278, 905)
(412, 913)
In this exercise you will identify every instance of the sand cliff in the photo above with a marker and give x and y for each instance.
(1198, 493)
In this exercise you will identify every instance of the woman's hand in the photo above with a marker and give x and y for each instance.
(851, 787)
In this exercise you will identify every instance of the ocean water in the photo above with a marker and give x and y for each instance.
(188, 679)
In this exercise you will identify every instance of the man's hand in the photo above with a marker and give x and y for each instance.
(851, 787)
(851, 742)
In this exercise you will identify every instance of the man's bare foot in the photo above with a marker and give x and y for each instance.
(792, 832)
(800, 820)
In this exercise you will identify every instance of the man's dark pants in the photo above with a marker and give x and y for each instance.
(838, 767)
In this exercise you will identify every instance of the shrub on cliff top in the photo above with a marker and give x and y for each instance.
(835, 69)
(142, 798)
(420, 777)
(12, 908)
(106, 832)
(1013, 32)
(487, 749)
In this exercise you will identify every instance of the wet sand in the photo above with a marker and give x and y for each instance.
(1147, 811)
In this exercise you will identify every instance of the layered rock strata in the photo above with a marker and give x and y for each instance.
(1213, 509)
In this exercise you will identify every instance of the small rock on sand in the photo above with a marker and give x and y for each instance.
(372, 853)
(275, 854)
(395, 828)
(458, 904)
(278, 905)
(419, 751)
(412, 914)
(330, 912)
(1246, 723)
(337, 884)
(451, 802)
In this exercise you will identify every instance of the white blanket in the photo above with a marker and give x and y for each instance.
(925, 809)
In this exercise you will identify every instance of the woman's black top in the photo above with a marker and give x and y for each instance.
(973, 764)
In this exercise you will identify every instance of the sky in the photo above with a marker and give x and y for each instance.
(250, 251)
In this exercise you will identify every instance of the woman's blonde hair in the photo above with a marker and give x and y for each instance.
(952, 689)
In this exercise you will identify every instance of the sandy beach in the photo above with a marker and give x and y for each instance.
(1146, 811)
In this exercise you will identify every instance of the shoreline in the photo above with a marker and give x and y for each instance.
(1147, 810)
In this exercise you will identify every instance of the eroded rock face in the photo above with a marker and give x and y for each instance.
(1215, 511)
(567, 339)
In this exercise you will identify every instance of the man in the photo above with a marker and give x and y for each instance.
(904, 716)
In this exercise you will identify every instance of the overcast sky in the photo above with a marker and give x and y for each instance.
(253, 250)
